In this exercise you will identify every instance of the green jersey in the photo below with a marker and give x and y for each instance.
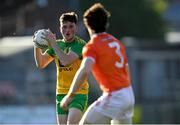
(65, 74)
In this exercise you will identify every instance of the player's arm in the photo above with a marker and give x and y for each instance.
(82, 74)
(80, 77)
(41, 59)
(66, 59)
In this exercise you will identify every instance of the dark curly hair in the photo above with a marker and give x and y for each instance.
(96, 17)
(70, 16)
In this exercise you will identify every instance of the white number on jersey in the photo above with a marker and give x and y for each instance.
(118, 64)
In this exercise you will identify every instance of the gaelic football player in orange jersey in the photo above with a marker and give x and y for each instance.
(105, 56)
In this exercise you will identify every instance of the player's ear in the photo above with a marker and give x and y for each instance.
(107, 25)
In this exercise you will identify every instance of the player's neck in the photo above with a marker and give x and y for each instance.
(69, 40)
(91, 33)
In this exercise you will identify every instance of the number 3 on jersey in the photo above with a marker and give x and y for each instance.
(118, 64)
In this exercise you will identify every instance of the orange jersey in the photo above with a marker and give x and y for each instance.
(111, 66)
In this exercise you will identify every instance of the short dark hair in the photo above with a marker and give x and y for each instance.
(96, 17)
(70, 16)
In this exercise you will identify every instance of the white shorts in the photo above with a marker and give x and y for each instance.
(117, 105)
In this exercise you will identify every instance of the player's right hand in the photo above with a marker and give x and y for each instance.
(50, 37)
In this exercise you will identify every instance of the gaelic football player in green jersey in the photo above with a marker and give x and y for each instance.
(67, 54)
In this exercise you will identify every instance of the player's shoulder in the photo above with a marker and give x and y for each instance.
(90, 45)
(79, 40)
(59, 41)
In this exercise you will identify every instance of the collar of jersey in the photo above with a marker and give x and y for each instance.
(97, 34)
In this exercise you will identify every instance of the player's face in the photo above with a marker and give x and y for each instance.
(68, 30)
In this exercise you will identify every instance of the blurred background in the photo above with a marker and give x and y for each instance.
(149, 29)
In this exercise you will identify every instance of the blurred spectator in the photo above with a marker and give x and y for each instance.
(8, 92)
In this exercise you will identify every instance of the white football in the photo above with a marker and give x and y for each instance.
(38, 38)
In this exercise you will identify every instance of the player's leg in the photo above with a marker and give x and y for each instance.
(76, 108)
(61, 114)
(61, 119)
(92, 116)
(125, 103)
(74, 116)
(122, 121)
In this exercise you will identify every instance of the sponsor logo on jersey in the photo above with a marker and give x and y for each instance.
(65, 69)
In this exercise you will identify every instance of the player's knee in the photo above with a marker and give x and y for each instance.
(122, 121)
(83, 121)
(72, 121)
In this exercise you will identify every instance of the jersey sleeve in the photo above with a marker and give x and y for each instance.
(50, 51)
(89, 51)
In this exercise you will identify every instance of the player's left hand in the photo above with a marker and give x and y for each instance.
(50, 37)
(65, 101)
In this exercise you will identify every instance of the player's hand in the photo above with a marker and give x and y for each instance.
(65, 101)
(50, 37)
